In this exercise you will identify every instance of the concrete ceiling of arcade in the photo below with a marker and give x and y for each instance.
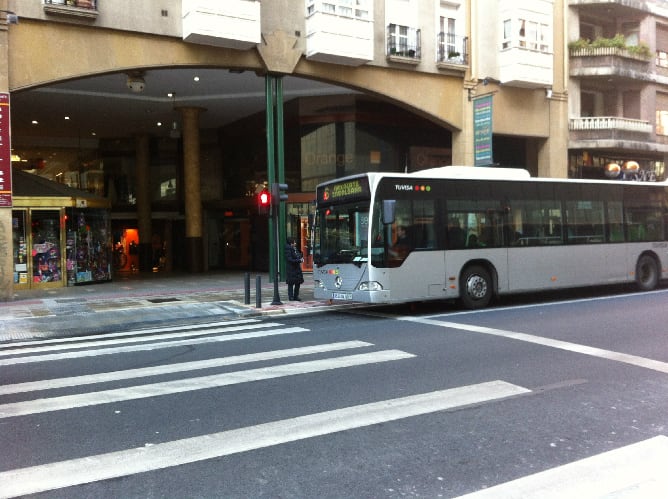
(89, 84)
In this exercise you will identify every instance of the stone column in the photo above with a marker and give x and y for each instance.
(192, 189)
(143, 193)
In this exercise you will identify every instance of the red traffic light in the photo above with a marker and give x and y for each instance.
(264, 198)
(263, 202)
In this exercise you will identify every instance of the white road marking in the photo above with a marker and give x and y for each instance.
(192, 384)
(50, 384)
(136, 339)
(153, 346)
(57, 475)
(135, 332)
(607, 298)
(637, 471)
(634, 360)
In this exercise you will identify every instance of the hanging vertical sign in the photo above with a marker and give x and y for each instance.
(482, 130)
(5, 154)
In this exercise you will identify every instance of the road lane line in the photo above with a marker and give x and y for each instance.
(637, 471)
(634, 360)
(106, 377)
(137, 339)
(150, 346)
(62, 474)
(198, 383)
(134, 332)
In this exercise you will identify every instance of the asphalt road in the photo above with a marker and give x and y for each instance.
(536, 399)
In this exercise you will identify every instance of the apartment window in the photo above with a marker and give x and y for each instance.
(358, 9)
(661, 122)
(507, 33)
(662, 58)
(525, 34)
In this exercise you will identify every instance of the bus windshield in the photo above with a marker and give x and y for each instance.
(341, 233)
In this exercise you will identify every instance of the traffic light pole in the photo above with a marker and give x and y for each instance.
(275, 160)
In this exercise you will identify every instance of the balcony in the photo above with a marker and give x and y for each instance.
(231, 24)
(78, 9)
(403, 44)
(452, 51)
(609, 61)
(599, 132)
(339, 39)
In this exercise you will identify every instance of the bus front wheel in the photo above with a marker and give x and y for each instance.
(647, 273)
(476, 287)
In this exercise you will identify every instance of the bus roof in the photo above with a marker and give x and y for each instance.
(469, 172)
(482, 173)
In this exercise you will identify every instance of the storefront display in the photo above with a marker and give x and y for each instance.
(46, 264)
(61, 236)
(20, 246)
(88, 246)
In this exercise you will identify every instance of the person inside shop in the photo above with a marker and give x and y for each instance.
(293, 269)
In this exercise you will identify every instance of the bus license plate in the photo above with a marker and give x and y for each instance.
(342, 296)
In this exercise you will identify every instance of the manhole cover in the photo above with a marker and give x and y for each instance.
(162, 300)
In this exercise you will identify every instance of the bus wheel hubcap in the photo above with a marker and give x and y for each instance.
(476, 287)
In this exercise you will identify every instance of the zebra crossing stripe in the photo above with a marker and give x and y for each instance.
(94, 352)
(135, 332)
(197, 383)
(137, 339)
(637, 471)
(90, 469)
(50, 384)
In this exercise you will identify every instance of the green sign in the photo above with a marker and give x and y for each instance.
(482, 131)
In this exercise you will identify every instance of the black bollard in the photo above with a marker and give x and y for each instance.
(247, 288)
(258, 291)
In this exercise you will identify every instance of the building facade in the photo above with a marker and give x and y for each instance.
(162, 107)
(618, 72)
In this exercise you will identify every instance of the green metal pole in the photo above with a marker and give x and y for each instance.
(280, 172)
(271, 176)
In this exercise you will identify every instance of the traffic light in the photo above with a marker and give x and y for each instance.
(278, 193)
(263, 202)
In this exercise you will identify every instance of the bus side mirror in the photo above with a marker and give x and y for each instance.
(388, 211)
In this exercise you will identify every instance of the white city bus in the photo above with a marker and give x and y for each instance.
(476, 233)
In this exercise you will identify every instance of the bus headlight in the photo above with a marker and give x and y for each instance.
(370, 286)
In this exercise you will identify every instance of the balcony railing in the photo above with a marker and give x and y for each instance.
(452, 49)
(75, 9)
(607, 51)
(609, 123)
(82, 4)
(403, 43)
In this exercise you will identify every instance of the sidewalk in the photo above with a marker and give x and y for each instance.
(140, 300)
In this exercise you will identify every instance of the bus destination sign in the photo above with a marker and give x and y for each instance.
(347, 190)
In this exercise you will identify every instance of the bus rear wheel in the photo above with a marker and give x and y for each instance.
(476, 287)
(647, 273)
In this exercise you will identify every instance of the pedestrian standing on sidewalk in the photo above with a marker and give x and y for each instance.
(294, 276)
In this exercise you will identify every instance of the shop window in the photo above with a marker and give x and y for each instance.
(46, 266)
(88, 246)
(20, 246)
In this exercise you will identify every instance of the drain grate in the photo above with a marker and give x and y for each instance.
(162, 300)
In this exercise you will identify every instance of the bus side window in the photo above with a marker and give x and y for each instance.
(456, 235)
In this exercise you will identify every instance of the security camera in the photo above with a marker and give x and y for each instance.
(136, 84)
